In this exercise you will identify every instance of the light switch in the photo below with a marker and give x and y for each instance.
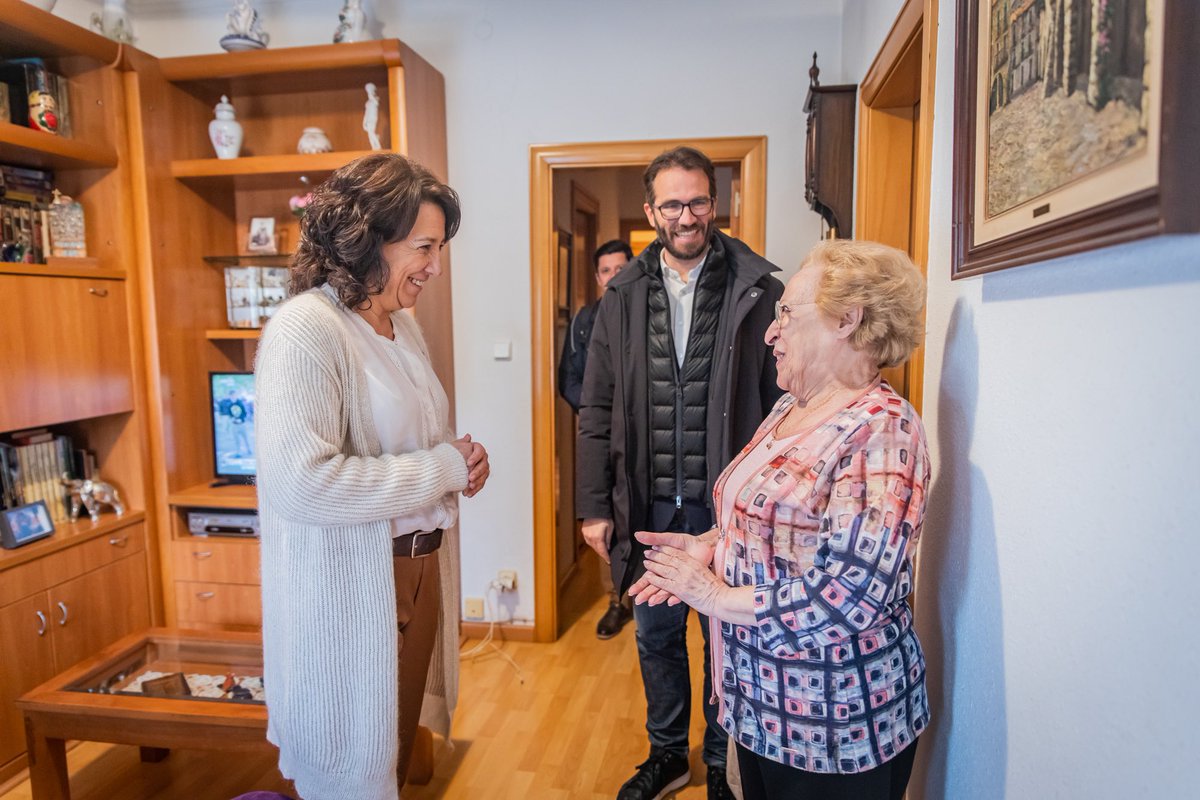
(502, 350)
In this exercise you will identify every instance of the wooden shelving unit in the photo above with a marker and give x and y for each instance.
(71, 345)
(276, 94)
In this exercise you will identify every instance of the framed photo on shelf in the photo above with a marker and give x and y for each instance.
(24, 524)
(1071, 127)
(261, 238)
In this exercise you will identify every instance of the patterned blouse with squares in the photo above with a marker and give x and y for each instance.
(825, 526)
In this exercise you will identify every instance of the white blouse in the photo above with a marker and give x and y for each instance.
(409, 406)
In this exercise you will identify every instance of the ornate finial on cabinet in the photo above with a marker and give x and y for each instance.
(813, 72)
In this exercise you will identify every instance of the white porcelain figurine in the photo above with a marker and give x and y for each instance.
(245, 29)
(371, 117)
(113, 21)
(352, 23)
(314, 140)
(225, 131)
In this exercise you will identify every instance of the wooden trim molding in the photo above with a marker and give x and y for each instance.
(750, 152)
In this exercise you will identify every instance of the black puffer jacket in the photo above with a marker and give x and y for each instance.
(613, 475)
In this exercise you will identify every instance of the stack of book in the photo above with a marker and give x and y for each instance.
(33, 96)
(25, 198)
(32, 466)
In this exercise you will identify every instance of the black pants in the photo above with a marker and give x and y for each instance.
(763, 779)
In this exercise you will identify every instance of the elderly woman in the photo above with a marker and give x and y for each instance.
(822, 680)
(358, 474)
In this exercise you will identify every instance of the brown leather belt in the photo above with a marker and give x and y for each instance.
(418, 544)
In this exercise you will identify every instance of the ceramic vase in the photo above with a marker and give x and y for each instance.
(225, 131)
(314, 140)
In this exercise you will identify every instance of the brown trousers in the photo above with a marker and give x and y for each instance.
(418, 597)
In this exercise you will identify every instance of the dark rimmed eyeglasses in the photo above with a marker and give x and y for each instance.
(783, 309)
(673, 209)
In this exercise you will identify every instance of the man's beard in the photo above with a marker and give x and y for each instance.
(664, 236)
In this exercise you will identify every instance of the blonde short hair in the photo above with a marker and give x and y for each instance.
(885, 283)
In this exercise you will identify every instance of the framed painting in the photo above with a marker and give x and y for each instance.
(1074, 126)
(562, 276)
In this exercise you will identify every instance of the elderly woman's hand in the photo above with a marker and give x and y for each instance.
(692, 550)
(478, 468)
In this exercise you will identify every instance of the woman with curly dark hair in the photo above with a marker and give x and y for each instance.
(358, 476)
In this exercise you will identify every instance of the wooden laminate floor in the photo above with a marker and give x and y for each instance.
(571, 726)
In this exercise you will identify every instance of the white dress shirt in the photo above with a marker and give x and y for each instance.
(409, 406)
(681, 295)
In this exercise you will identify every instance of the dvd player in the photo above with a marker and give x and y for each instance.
(222, 522)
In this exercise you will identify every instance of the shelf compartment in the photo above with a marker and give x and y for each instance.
(204, 495)
(27, 147)
(31, 32)
(264, 171)
(293, 69)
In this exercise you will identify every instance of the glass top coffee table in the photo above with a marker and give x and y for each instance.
(159, 689)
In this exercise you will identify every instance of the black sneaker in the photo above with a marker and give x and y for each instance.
(657, 776)
(613, 620)
(718, 787)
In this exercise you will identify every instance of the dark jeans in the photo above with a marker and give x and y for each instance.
(763, 779)
(663, 655)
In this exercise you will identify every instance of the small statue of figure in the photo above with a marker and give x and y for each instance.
(371, 117)
(112, 21)
(351, 23)
(90, 494)
(245, 28)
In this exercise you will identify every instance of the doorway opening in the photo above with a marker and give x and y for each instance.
(580, 196)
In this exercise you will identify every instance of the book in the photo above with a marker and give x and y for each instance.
(10, 477)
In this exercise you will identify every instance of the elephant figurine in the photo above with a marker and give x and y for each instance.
(90, 494)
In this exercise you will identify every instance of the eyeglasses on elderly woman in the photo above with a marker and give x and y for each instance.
(783, 309)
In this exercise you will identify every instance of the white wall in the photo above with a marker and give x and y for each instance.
(1056, 596)
(540, 71)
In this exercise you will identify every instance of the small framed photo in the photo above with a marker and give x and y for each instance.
(261, 239)
(25, 524)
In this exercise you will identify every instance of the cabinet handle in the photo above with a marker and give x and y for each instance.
(63, 608)
(206, 595)
(42, 623)
(98, 292)
(119, 541)
(202, 554)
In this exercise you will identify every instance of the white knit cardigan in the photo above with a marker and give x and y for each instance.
(325, 496)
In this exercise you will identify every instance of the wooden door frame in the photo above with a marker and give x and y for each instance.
(544, 160)
(880, 92)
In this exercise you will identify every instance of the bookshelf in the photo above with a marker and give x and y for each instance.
(212, 582)
(71, 341)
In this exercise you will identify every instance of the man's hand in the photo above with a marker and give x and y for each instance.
(598, 535)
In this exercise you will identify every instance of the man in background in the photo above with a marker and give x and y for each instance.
(607, 262)
(678, 379)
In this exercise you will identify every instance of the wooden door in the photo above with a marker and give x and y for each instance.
(26, 660)
(97, 608)
(69, 337)
(893, 158)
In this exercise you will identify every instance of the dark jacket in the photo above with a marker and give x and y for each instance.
(574, 355)
(613, 453)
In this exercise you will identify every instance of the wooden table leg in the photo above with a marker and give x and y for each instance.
(420, 763)
(48, 775)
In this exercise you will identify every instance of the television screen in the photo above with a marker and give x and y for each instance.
(233, 425)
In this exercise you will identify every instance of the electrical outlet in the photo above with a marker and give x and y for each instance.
(507, 578)
(473, 606)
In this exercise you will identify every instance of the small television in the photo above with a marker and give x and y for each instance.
(232, 395)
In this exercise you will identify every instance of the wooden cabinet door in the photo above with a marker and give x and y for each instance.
(26, 660)
(64, 343)
(95, 609)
